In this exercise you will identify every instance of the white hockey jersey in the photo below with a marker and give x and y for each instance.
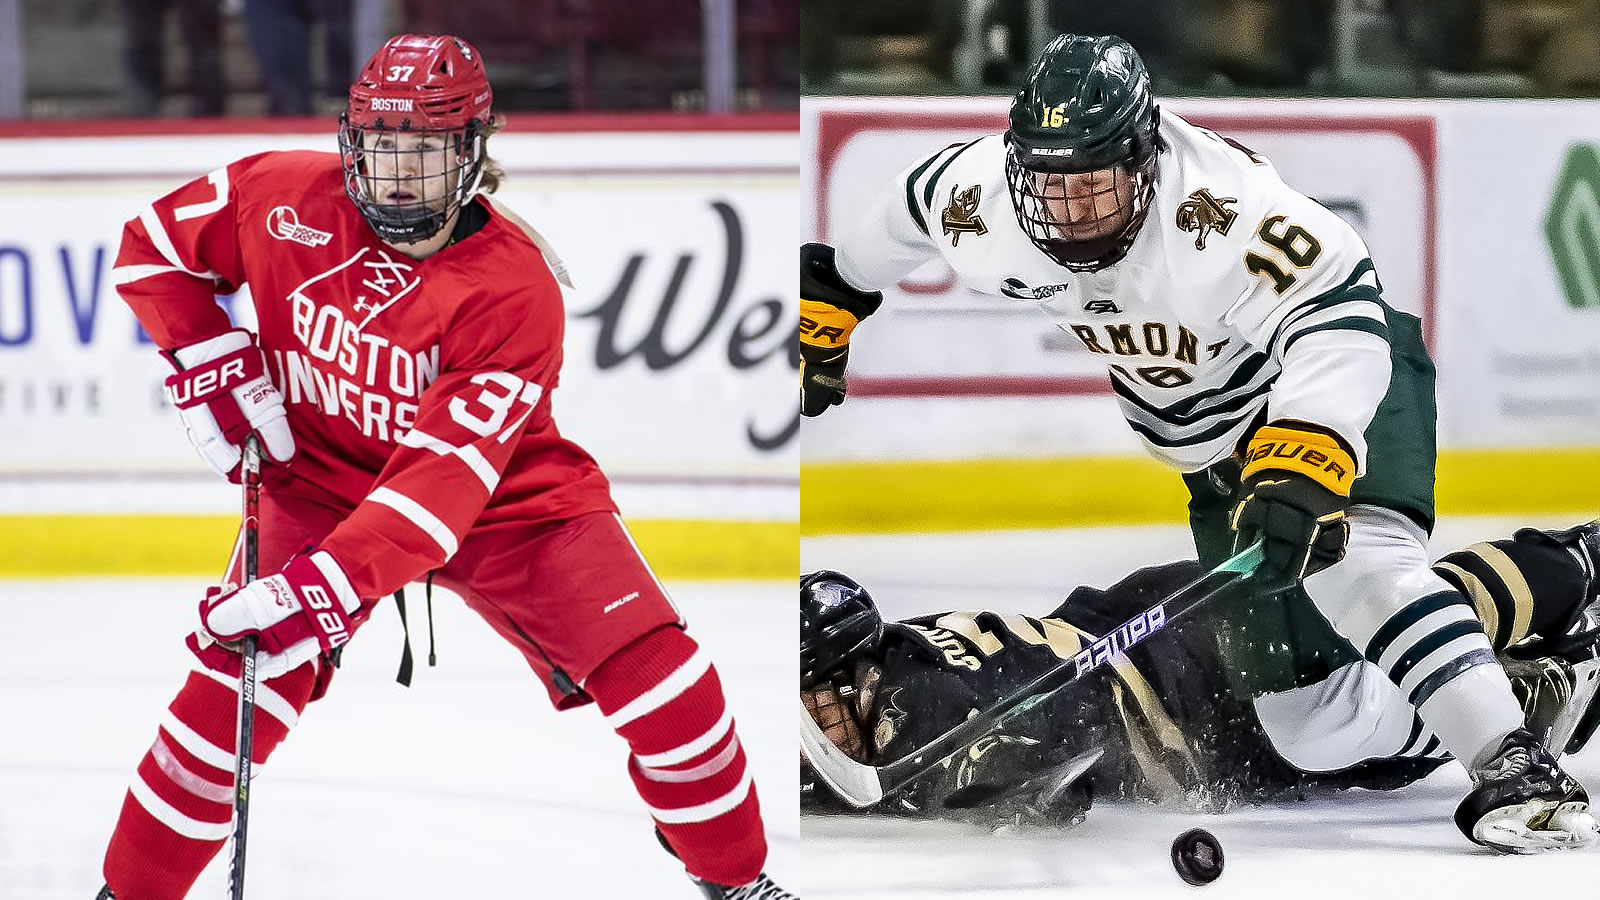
(1239, 293)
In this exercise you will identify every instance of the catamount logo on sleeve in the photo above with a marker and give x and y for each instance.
(961, 215)
(1203, 214)
(284, 224)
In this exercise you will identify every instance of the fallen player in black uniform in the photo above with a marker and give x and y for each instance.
(1166, 720)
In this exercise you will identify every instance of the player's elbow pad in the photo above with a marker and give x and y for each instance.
(829, 308)
(820, 283)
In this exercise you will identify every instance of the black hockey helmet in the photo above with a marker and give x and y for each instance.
(1085, 110)
(838, 622)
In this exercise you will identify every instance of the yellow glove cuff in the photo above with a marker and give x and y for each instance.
(1317, 455)
(825, 325)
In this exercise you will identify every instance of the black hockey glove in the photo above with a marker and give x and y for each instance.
(1294, 490)
(829, 311)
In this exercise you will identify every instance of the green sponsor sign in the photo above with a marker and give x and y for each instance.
(1572, 227)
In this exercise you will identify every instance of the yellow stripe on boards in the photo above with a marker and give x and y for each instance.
(1516, 482)
(72, 545)
(719, 549)
(116, 545)
(984, 495)
(1079, 492)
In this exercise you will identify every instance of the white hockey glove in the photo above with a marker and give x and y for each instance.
(297, 615)
(222, 392)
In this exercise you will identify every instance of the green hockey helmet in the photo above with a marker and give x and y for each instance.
(1081, 150)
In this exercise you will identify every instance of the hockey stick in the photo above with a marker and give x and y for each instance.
(250, 475)
(862, 785)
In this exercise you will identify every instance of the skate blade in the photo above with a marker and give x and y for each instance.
(1538, 826)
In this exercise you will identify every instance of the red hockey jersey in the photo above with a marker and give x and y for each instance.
(418, 393)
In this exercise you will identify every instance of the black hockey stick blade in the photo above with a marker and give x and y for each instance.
(862, 785)
(1048, 785)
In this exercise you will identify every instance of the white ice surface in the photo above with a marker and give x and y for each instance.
(1359, 845)
(467, 785)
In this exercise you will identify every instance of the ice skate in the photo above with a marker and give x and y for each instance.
(1521, 801)
(760, 889)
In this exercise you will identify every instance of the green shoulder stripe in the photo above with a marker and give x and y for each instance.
(1160, 440)
(1347, 323)
(1348, 291)
(911, 189)
(1191, 416)
(927, 189)
(1242, 375)
(1350, 282)
(911, 183)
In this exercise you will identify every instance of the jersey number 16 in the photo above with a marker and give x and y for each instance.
(1296, 245)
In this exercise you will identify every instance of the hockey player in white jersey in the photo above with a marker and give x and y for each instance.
(1249, 346)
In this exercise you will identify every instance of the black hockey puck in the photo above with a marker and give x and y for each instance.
(1197, 855)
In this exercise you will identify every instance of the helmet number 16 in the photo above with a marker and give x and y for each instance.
(1296, 245)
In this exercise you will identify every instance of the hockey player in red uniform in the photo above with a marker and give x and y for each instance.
(409, 338)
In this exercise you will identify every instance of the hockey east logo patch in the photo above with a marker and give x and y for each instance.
(961, 215)
(283, 223)
(1018, 289)
(1203, 214)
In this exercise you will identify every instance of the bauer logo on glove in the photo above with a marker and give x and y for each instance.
(222, 393)
(829, 310)
(204, 382)
(1295, 487)
(297, 615)
(1282, 448)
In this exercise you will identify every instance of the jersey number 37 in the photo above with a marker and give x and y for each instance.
(487, 412)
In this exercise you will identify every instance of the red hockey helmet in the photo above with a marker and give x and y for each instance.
(430, 86)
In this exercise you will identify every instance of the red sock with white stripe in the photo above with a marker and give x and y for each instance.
(662, 694)
(178, 812)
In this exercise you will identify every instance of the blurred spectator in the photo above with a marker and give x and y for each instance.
(891, 44)
(1308, 38)
(280, 34)
(768, 33)
(1270, 44)
(1148, 25)
(618, 54)
(1442, 34)
(200, 22)
(1479, 48)
(1554, 42)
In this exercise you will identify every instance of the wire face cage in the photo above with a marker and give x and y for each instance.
(408, 183)
(1084, 221)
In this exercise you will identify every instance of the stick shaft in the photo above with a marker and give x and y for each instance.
(250, 472)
